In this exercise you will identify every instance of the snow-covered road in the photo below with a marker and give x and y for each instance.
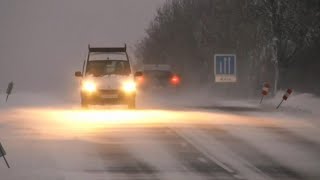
(158, 142)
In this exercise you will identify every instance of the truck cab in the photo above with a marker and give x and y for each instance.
(107, 78)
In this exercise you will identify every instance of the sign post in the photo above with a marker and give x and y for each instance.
(285, 97)
(265, 91)
(225, 68)
(3, 154)
(9, 90)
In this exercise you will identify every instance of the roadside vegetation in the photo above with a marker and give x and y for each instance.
(276, 41)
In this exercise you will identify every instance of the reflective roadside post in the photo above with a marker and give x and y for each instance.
(285, 97)
(265, 91)
(2, 154)
(9, 90)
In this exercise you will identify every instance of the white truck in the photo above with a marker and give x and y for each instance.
(107, 77)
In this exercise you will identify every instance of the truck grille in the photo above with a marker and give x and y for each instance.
(109, 91)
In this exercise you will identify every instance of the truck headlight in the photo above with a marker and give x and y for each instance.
(89, 86)
(129, 87)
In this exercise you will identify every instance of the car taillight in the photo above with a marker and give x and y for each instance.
(140, 79)
(175, 80)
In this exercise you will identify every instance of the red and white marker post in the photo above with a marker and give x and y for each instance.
(285, 97)
(265, 91)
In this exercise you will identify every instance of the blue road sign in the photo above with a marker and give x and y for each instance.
(225, 68)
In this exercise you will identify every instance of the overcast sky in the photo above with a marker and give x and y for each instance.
(42, 42)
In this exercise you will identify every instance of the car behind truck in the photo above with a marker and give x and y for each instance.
(157, 76)
(106, 77)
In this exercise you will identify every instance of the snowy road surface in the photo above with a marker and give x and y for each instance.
(159, 142)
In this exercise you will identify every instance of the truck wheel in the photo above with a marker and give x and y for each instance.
(132, 104)
(84, 104)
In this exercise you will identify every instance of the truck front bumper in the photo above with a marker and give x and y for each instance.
(101, 97)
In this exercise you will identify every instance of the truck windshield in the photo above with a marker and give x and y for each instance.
(101, 68)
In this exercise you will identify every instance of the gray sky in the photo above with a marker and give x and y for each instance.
(42, 42)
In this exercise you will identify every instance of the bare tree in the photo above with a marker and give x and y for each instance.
(263, 33)
(288, 26)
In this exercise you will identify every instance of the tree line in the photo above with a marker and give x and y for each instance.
(275, 41)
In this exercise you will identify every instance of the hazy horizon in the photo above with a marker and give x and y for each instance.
(44, 42)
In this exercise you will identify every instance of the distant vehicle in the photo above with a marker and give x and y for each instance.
(158, 76)
(107, 78)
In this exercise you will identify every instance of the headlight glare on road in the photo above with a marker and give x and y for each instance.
(89, 86)
(129, 87)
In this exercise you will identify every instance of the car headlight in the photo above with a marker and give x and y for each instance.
(129, 87)
(89, 86)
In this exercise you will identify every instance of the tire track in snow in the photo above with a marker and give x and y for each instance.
(292, 138)
(259, 160)
(118, 162)
(154, 146)
(289, 153)
(193, 159)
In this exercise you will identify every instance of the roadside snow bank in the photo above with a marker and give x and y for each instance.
(297, 102)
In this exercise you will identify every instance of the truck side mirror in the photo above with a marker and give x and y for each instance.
(138, 73)
(78, 74)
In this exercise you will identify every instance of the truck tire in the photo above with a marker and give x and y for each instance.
(132, 103)
(84, 104)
